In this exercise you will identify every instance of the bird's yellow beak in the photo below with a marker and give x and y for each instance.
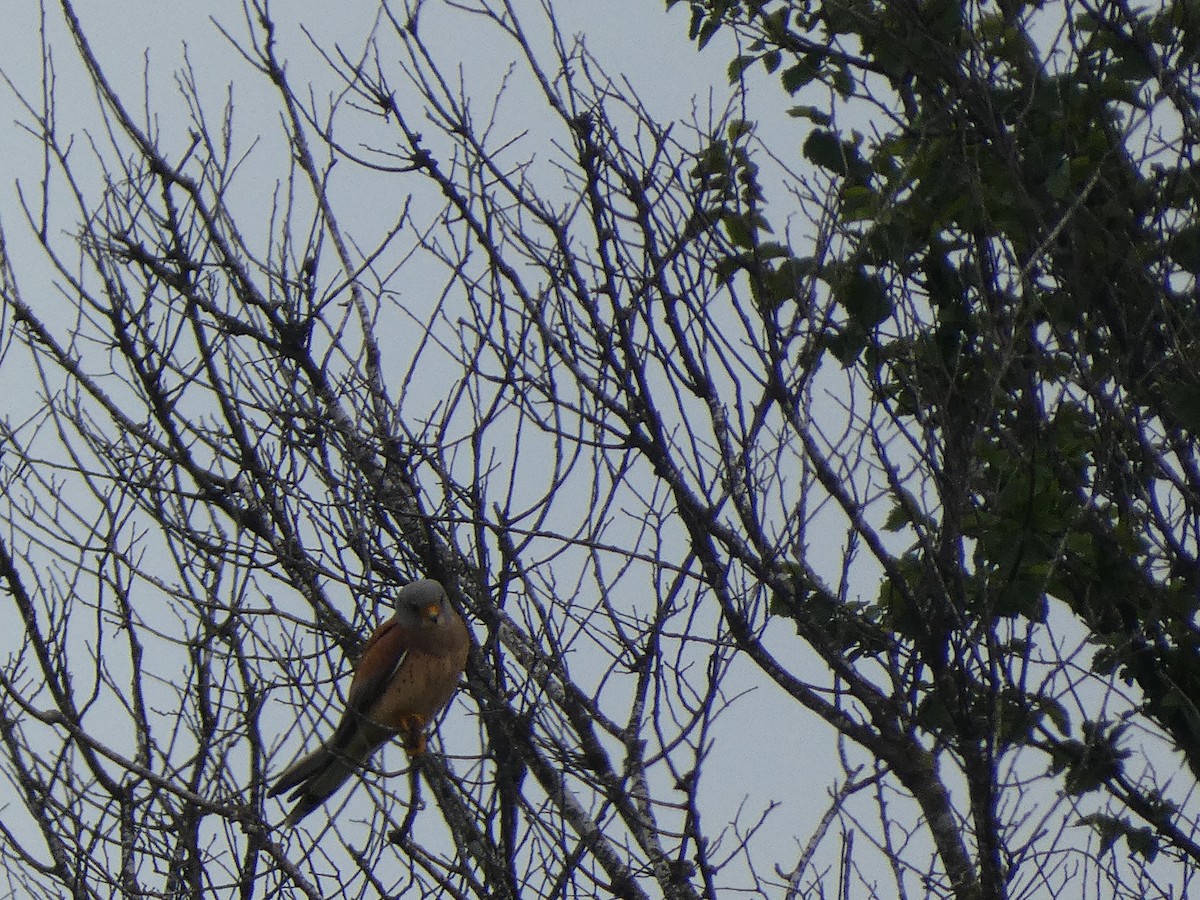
(431, 612)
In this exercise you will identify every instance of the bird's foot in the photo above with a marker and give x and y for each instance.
(413, 734)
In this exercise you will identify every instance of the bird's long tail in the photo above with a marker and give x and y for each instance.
(318, 775)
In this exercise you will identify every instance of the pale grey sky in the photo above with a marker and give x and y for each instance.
(765, 750)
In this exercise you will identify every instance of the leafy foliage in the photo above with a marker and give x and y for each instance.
(1014, 257)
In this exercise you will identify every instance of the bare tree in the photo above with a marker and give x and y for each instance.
(658, 456)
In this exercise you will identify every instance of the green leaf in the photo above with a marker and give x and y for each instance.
(1055, 712)
(1129, 63)
(1016, 718)
(1094, 761)
(740, 230)
(859, 203)
(843, 82)
(812, 113)
(829, 151)
(738, 129)
(933, 714)
(775, 24)
(1185, 248)
(799, 74)
(823, 148)
(1108, 828)
(1183, 400)
(897, 517)
(1140, 840)
(790, 279)
(727, 266)
(706, 32)
(739, 65)
(864, 298)
(846, 345)
(773, 250)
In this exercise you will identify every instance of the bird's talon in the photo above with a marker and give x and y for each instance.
(414, 737)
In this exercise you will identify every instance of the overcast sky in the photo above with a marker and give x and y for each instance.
(773, 753)
(768, 751)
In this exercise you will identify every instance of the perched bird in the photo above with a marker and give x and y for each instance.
(409, 669)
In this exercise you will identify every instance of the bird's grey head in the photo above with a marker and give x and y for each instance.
(422, 604)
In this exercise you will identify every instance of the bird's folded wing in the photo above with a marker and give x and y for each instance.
(383, 654)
